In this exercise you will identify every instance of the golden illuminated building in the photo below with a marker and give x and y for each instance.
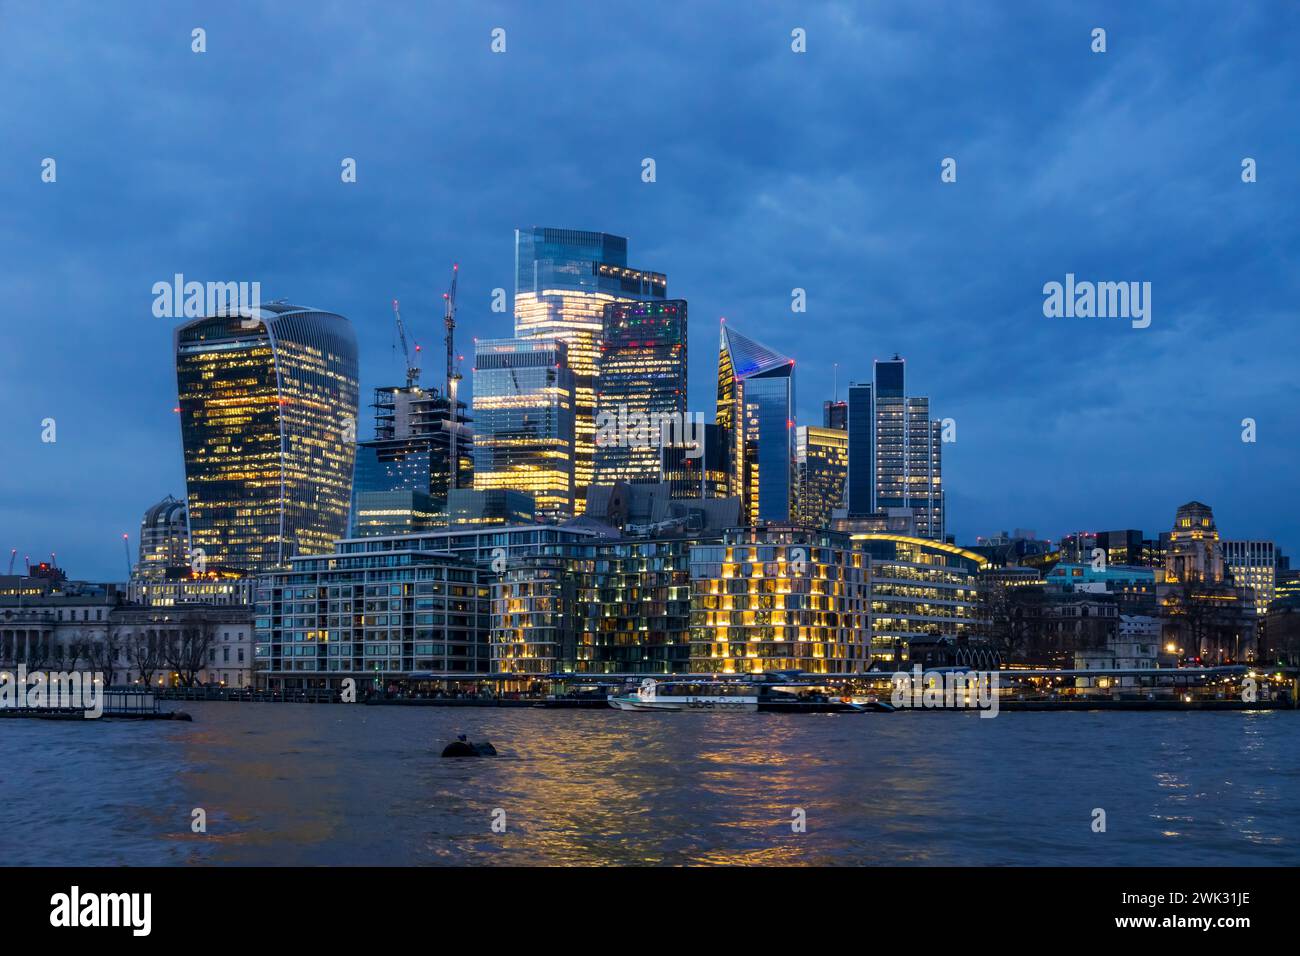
(523, 409)
(268, 410)
(779, 598)
(821, 467)
(564, 279)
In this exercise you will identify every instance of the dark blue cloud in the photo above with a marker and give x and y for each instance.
(775, 171)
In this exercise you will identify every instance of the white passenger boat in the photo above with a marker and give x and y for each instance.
(686, 695)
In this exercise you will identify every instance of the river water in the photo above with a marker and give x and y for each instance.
(348, 784)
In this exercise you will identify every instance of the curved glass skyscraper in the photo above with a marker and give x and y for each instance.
(268, 409)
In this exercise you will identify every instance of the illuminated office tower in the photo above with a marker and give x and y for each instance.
(756, 410)
(268, 410)
(821, 466)
(1253, 564)
(523, 413)
(164, 539)
(564, 278)
(642, 373)
(403, 474)
(908, 465)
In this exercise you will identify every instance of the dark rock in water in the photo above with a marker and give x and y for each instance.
(460, 747)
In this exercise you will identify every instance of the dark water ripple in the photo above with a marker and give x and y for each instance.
(310, 785)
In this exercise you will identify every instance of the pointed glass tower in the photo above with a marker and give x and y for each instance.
(756, 410)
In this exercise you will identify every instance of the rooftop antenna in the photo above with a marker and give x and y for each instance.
(835, 377)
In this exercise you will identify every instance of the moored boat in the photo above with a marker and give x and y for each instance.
(708, 696)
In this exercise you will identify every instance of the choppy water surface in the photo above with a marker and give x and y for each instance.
(320, 784)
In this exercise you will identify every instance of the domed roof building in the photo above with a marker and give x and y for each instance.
(164, 538)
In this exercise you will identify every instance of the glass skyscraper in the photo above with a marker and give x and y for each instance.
(860, 496)
(642, 372)
(268, 410)
(523, 412)
(756, 409)
(822, 463)
(564, 278)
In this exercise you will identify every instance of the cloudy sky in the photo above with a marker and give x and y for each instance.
(775, 170)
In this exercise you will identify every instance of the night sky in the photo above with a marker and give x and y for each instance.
(775, 170)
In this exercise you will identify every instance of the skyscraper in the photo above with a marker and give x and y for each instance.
(268, 410)
(835, 414)
(908, 465)
(564, 278)
(756, 410)
(403, 474)
(821, 464)
(642, 372)
(860, 494)
(523, 412)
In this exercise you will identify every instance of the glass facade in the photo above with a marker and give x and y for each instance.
(756, 407)
(381, 620)
(268, 408)
(642, 372)
(596, 607)
(860, 496)
(524, 414)
(919, 589)
(564, 279)
(822, 463)
(388, 609)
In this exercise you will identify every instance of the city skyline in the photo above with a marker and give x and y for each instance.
(1062, 424)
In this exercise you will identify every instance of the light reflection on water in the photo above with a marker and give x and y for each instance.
(315, 784)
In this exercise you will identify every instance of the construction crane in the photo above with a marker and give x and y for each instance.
(453, 373)
(412, 370)
(13, 553)
(126, 548)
